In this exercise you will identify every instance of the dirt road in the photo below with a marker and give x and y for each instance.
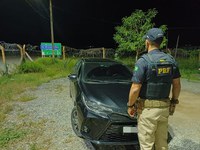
(44, 122)
(186, 120)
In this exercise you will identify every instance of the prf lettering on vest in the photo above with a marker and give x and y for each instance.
(164, 70)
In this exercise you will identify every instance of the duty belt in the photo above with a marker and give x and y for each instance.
(145, 103)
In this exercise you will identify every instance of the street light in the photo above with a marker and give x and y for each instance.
(51, 26)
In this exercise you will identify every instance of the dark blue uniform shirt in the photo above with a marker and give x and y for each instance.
(141, 67)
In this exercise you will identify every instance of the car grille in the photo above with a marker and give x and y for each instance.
(115, 134)
(118, 117)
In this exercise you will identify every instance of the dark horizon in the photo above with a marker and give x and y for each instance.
(91, 23)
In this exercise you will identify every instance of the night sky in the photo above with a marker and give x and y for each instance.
(90, 23)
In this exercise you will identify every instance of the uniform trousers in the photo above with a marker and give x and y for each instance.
(153, 128)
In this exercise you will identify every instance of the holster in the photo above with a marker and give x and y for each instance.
(139, 106)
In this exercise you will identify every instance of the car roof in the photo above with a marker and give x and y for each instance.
(97, 60)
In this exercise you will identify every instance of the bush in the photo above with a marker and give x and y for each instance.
(190, 63)
(31, 67)
(189, 68)
(129, 61)
(47, 61)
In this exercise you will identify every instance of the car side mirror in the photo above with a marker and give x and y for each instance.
(72, 77)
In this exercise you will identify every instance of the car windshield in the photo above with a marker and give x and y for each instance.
(106, 71)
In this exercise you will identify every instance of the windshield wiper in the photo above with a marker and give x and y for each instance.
(121, 80)
(94, 80)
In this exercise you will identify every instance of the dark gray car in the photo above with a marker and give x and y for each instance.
(100, 89)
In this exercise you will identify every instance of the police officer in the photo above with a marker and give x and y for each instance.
(154, 73)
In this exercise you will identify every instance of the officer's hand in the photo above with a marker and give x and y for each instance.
(131, 111)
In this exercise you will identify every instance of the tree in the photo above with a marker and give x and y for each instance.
(129, 36)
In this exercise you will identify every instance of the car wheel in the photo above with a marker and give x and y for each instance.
(74, 122)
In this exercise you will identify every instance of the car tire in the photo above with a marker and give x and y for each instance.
(74, 122)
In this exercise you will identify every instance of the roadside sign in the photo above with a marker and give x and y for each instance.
(46, 49)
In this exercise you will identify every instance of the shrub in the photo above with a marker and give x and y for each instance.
(48, 61)
(190, 63)
(189, 68)
(31, 67)
(129, 61)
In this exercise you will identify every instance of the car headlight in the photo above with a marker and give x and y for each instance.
(95, 106)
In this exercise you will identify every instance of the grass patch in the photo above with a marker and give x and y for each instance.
(33, 147)
(2, 116)
(31, 67)
(26, 98)
(10, 134)
(22, 115)
(189, 68)
(29, 76)
(26, 132)
(6, 107)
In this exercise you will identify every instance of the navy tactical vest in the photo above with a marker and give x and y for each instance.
(159, 75)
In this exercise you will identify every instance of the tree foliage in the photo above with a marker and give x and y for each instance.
(129, 36)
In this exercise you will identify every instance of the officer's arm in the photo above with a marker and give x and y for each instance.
(176, 88)
(134, 92)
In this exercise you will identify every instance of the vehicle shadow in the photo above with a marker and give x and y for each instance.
(91, 146)
(116, 147)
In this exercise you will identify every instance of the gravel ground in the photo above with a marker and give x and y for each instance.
(47, 120)
(185, 122)
(49, 116)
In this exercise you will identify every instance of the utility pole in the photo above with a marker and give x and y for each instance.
(177, 42)
(51, 26)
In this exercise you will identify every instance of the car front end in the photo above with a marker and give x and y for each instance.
(100, 103)
(102, 124)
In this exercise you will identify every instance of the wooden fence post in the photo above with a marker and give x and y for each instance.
(63, 50)
(4, 59)
(104, 53)
(22, 53)
(24, 50)
(3, 54)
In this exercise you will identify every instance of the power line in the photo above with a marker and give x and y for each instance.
(37, 11)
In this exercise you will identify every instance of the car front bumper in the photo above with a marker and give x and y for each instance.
(108, 130)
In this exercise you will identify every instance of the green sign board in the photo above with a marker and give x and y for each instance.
(46, 49)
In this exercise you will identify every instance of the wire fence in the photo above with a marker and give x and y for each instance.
(13, 54)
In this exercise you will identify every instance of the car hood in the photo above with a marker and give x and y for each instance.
(114, 95)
